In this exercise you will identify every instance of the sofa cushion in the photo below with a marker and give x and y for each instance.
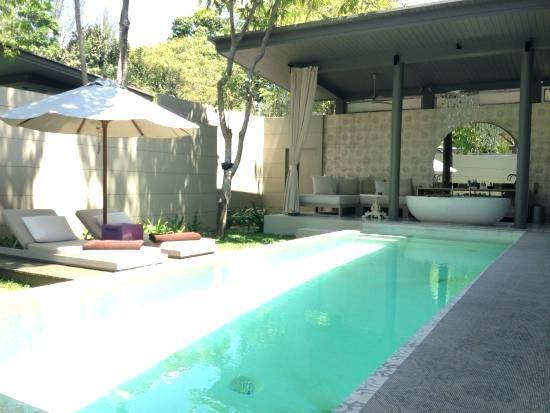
(49, 228)
(329, 200)
(324, 185)
(381, 187)
(367, 185)
(347, 185)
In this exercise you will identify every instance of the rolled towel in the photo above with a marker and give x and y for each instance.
(177, 236)
(108, 244)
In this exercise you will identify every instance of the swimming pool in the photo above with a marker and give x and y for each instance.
(289, 328)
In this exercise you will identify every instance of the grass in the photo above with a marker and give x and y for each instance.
(238, 239)
(7, 285)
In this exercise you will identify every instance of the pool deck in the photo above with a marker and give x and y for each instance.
(37, 273)
(490, 352)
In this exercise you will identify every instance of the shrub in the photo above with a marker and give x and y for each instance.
(249, 217)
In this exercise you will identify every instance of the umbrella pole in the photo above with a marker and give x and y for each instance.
(104, 128)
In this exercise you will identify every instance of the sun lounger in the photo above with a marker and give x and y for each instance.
(69, 251)
(91, 219)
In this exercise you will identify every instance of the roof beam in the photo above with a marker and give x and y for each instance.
(395, 19)
(504, 84)
(463, 50)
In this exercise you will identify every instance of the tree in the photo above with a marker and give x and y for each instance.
(204, 21)
(248, 13)
(124, 27)
(28, 25)
(80, 37)
(480, 138)
(101, 49)
(185, 67)
(263, 15)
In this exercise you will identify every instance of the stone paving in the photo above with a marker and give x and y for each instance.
(491, 351)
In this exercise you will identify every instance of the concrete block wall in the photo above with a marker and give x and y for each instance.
(487, 168)
(276, 141)
(147, 177)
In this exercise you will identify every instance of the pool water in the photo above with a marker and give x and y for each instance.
(306, 349)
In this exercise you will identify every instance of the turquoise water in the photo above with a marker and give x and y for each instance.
(307, 349)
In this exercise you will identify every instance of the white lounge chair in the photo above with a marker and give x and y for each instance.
(92, 218)
(64, 247)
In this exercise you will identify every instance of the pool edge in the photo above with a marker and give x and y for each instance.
(359, 397)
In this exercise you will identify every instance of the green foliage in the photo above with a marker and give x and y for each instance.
(204, 21)
(477, 138)
(184, 67)
(164, 225)
(249, 217)
(101, 46)
(196, 224)
(28, 25)
(8, 285)
(237, 240)
(8, 241)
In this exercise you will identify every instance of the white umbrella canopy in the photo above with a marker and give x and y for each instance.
(103, 105)
(83, 110)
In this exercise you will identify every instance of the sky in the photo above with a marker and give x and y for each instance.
(150, 21)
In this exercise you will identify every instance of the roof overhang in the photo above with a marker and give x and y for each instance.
(452, 45)
(38, 74)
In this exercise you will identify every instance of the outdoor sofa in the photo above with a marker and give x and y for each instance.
(92, 219)
(380, 194)
(351, 192)
(45, 236)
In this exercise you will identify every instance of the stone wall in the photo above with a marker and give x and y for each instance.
(358, 144)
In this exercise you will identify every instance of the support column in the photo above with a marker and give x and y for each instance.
(340, 106)
(524, 144)
(395, 149)
(447, 160)
(428, 99)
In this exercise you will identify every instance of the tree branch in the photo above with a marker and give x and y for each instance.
(250, 88)
(124, 24)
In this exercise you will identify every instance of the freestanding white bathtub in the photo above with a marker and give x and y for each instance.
(458, 210)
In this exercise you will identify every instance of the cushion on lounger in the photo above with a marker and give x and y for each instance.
(178, 236)
(49, 228)
(348, 185)
(112, 245)
(324, 185)
(115, 218)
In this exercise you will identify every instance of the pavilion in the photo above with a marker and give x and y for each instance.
(419, 51)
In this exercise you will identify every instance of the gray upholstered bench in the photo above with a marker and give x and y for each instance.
(330, 201)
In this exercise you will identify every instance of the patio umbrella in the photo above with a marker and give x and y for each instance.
(104, 105)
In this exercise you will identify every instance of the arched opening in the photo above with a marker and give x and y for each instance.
(480, 153)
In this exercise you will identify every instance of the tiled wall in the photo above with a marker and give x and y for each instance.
(358, 144)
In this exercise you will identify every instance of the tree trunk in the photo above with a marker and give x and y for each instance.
(229, 167)
(124, 27)
(81, 50)
(223, 203)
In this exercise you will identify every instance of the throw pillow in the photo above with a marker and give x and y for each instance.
(382, 187)
(347, 185)
(324, 185)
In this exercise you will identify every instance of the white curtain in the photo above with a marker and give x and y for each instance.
(303, 85)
